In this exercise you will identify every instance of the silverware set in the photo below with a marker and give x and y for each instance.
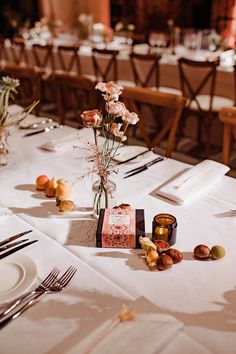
(12, 247)
(51, 284)
(144, 167)
(44, 130)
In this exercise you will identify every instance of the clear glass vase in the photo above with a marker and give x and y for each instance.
(104, 195)
(3, 149)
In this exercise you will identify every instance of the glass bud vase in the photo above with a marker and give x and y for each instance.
(3, 149)
(104, 195)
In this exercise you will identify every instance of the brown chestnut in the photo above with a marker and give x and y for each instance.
(202, 252)
(164, 262)
(176, 255)
(162, 246)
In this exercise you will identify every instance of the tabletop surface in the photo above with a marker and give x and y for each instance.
(199, 295)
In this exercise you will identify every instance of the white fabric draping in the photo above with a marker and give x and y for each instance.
(200, 295)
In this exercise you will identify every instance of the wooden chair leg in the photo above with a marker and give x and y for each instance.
(227, 143)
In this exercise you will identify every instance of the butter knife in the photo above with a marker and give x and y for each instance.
(13, 250)
(10, 245)
(14, 237)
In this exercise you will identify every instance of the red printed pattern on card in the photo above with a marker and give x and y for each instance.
(119, 228)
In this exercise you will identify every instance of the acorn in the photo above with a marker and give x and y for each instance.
(202, 252)
(164, 262)
(217, 252)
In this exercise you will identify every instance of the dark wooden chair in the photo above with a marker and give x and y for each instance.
(44, 58)
(19, 52)
(68, 58)
(228, 117)
(105, 64)
(174, 104)
(74, 94)
(198, 80)
(151, 78)
(3, 53)
(29, 89)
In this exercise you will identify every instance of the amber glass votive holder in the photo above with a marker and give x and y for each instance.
(164, 227)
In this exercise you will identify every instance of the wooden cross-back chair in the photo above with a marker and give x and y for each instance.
(18, 51)
(198, 82)
(43, 57)
(105, 64)
(228, 118)
(74, 94)
(29, 89)
(132, 96)
(3, 53)
(151, 61)
(69, 59)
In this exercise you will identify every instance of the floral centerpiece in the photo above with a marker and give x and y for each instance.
(8, 89)
(112, 126)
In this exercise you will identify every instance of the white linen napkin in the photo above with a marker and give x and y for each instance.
(192, 181)
(60, 144)
(149, 332)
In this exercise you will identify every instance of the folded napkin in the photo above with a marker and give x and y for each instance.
(192, 182)
(149, 332)
(59, 144)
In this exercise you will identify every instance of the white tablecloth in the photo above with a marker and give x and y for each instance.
(200, 295)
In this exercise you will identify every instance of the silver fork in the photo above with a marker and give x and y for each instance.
(57, 286)
(50, 279)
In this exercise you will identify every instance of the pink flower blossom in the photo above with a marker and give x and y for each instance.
(92, 118)
(111, 90)
(130, 117)
(115, 129)
(117, 109)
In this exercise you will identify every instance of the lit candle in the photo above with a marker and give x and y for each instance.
(164, 227)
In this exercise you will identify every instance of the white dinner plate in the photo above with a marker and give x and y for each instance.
(17, 273)
(128, 151)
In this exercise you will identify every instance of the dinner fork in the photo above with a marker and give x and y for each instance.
(43, 286)
(57, 286)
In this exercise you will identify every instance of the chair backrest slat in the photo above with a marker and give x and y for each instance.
(152, 76)
(75, 94)
(105, 64)
(133, 96)
(69, 58)
(205, 83)
(30, 83)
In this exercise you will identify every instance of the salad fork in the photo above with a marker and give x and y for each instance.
(50, 279)
(57, 286)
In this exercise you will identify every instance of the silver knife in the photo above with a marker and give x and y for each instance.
(14, 237)
(137, 170)
(10, 245)
(13, 250)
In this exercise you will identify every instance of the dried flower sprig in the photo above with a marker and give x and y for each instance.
(125, 314)
(8, 89)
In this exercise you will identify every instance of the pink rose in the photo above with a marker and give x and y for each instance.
(117, 109)
(111, 90)
(130, 117)
(92, 118)
(115, 129)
